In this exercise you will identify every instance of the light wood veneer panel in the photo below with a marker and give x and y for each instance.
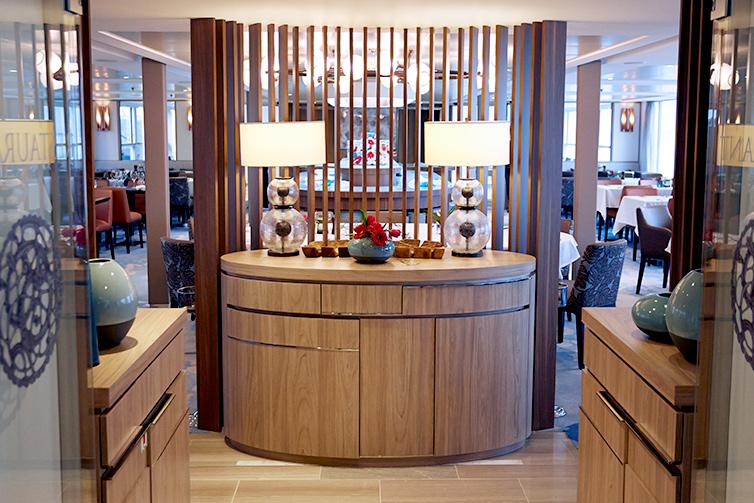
(600, 472)
(170, 473)
(362, 299)
(656, 417)
(635, 491)
(120, 425)
(482, 368)
(663, 485)
(142, 492)
(117, 488)
(294, 401)
(397, 387)
(463, 299)
(293, 331)
(163, 426)
(272, 296)
(612, 427)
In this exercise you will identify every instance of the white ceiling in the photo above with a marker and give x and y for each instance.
(635, 39)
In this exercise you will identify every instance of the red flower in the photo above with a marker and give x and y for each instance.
(394, 233)
(379, 237)
(370, 219)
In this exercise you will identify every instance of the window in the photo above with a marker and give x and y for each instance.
(569, 134)
(604, 150)
(131, 130)
(666, 154)
(172, 148)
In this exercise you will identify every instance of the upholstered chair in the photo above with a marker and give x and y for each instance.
(653, 224)
(180, 200)
(124, 217)
(178, 256)
(566, 198)
(104, 217)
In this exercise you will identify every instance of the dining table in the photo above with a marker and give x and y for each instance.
(626, 214)
(569, 250)
(608, 196)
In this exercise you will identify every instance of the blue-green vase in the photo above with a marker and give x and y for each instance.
(649, 315)
(684, 314)
(365, 251)
(115, 301)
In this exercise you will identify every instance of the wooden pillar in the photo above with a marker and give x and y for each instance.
(536, 166)
(156, 172)
(587, 143)
(499, 188)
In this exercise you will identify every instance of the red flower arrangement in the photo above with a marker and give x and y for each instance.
(369, 228)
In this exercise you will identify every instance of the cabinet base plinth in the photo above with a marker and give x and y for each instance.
(376, 461)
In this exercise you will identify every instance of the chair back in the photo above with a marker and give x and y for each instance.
(191, 228)
(121, 211)
(648, 182)
(654, 238)
(651, 176)
(101, 182)
(565, 225)
(103, 211)
(178, 256)
(179, 191)
(566, 197)
(637, 190)
(609, 181)
(598, 278)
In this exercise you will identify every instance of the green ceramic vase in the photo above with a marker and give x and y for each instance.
(114, 301)
(649, 315)
(684, 314)
(365, 251)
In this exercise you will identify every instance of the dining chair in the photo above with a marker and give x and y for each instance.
(103, 215)
(565, 225)
(566, 197)
(180, 200)
(191, 228)
(596, 285)
(654, 225)
(123, 216)
(627, 190)
(635, 191)
(648, 182)
(609, 181)
(651, 176)
(178, 257)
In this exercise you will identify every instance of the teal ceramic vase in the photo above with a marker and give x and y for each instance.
(114, 301)
(649, 315)
(684, 314)
(365, 251)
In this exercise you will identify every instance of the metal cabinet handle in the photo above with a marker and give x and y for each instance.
(603, 396)
(163, 409)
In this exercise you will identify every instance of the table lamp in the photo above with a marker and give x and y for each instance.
(479, 143)
(271, 144)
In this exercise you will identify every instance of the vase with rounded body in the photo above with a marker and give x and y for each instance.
(114, 301)
(648, 314)
(684, 314)
(365, 251)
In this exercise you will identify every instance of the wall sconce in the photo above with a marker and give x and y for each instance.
(190, 118)
(627, 120)
(102, 118)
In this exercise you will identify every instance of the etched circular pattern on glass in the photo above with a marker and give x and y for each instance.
(742, 292)
(30, 299)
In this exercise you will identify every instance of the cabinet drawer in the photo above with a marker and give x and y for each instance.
(635, 492)
(595, 404)
(276, 296)
(292, 331)
(652, 414)
(656, 478)
(600, 472)
(173, 406)
(123, 421)
(170, 472)
(362, 299)
(142, 493)
(118, 486)
(463, 299)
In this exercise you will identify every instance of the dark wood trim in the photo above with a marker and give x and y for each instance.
(254, 114)
(87, 104)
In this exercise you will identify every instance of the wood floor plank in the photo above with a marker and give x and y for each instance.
(537, 471)
(413, 472)
(213, 491)
(555, 490)
(457, 491)
(265, 472)
(315, 491)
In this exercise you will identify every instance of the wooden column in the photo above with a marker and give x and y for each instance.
(499, 187)
(254, 114)
(536, 165)
(156, 171)
(587, 143)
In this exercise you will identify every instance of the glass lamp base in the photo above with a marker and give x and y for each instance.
(282, 254)
(477, 254)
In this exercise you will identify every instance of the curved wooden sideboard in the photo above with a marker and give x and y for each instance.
(412, 362)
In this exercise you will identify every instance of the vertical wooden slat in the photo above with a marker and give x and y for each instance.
(271, 98)
(235, 203)
(404, 130)
(221, 63)
(473, 114)
(378, 114)
(459, 85)
(295, 45)
(325, 118)
(431, 169)
(240, 91)
(487, 197)
(283, 80)
(254, 114)
(87, 105)
(391, 132)
(351, 188)
(501, 99)
(310, 187)
(444, 116)
(337, 131)
(417, 130)
(364, 184)
(20, 73)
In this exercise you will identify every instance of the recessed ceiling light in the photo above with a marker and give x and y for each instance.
(126, 77)
(633, 62)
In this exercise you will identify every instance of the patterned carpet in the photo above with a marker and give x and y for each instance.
(568, 377)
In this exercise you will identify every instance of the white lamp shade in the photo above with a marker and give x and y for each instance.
(266, 144)
(478, 143)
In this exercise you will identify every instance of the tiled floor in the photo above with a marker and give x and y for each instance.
(543, 471)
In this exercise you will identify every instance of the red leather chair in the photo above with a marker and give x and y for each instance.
(123, 216)
(104, 217)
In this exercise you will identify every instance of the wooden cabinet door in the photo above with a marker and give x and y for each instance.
(600, 472)
(482, 382)
(170, 473)
(397, 387)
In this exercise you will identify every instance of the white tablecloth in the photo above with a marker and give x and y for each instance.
(569, 250)
(626, 215)
(608, 196)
